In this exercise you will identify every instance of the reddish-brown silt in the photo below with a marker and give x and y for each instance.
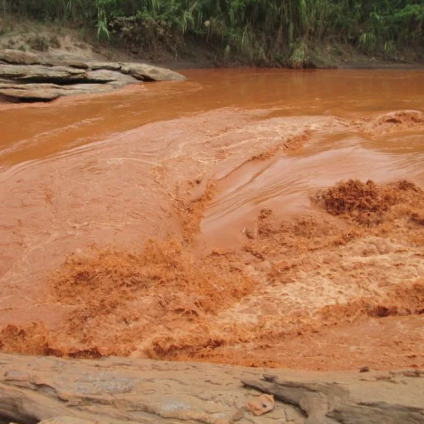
(223, 219)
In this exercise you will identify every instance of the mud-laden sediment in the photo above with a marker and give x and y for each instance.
(338, 287)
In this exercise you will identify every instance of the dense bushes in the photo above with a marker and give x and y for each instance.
(259, 29)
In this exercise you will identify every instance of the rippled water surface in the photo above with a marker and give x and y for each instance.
(92, 150)
(33, 132)
(194, 161)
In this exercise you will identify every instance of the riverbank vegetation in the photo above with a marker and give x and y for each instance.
(260, 31)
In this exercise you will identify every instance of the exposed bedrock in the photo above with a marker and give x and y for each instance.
(115, 390)
(26, 77)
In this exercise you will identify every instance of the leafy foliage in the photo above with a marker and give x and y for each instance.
(261, 30)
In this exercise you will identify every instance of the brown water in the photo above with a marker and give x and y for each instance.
(196, 162)
(34, 132)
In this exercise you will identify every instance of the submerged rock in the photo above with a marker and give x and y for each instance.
(26, 77)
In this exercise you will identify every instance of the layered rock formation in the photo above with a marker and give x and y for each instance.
(114, 390)
(26, 77)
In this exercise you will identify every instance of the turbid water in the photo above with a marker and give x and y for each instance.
(219, 172)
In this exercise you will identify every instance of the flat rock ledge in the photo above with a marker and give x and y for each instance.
(26, 77)
(117, 390)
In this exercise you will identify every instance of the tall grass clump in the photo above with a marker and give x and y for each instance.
(258, 30)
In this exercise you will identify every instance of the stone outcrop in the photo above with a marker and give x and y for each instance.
(48, 92)
(115, 390)
(333, 402)
(17, 57)
(26, 77)
(39, 73)
(144, 72)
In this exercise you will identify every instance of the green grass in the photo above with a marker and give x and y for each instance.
(259, 30)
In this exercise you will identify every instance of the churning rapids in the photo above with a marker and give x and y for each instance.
(205, 220)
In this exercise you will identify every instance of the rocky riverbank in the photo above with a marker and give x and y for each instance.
(28, 77)
(122, 390)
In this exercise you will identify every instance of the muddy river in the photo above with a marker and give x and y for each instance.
(203, 220)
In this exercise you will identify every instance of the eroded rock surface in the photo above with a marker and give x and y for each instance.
(339, 401)
(18, 58)
(24, 76)
(144, 72)
(115, 390)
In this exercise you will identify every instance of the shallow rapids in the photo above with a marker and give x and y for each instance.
(34, 132)
(222, 166)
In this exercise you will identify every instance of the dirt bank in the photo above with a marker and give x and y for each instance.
(78, 40)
